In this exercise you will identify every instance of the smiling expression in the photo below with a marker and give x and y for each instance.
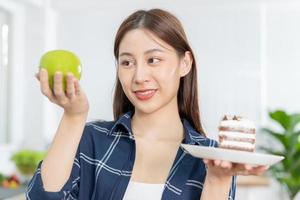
(149, 71)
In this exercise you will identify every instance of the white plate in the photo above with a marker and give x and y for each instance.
(235, 156)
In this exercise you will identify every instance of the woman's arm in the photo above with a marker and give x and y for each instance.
(216, 188)
(57, 165)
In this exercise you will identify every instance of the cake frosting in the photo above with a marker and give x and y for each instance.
(237, 133)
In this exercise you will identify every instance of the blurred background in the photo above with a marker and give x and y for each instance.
(248, 55)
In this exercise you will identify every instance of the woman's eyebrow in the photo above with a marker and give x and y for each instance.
(153, 50)
(125, 54)
(146, 52)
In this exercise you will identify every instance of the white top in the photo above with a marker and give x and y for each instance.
(145, 191)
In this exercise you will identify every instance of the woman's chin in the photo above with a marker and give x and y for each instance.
(145, 109)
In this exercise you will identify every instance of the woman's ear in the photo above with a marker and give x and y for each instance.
(186, 63)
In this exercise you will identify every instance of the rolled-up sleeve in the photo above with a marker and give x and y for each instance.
(36, 191)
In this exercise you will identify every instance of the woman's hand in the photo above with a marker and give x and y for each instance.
(73, 100)
(221, 168)
(219, 177)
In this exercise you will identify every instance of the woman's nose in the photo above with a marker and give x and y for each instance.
(141, 73)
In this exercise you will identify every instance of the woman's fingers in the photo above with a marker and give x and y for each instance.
(70, 88)
(221, 163)
(227, 167)
(77, 87)
(240, 169)
(244, 169)
(259, 170)
(217, 163)
(42, 76)
(208, 162)
(59, 93)
(71, 98)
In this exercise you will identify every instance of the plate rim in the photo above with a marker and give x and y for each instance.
(277, 157)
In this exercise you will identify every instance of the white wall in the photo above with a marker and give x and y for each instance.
(283, 55)
(241, 50)
(225, 38)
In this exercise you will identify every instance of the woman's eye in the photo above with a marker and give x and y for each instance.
(153, 60)
(126, 63)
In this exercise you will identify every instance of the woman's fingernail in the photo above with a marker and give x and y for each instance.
(217, 162)
(248, 167)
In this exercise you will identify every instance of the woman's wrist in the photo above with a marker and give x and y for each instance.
(223, 180)
(216, 187)
(217, 178)
(76, 117)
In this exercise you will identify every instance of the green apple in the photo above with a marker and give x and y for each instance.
(63, 61)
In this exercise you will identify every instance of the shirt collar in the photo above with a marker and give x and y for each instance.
(191, 135)
(125, 122)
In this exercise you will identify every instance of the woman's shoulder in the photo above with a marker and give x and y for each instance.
(100, 124)
(98, 128)
(96, 136)
(101, 131)
(196, 138)
(204, 141)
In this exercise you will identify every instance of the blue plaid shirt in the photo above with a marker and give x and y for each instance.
(104, 162)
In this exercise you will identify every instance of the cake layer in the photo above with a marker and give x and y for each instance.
(241, 124)
(237, 145)
(237, 148)
(222, 138)
(237, 136)
(237, 129)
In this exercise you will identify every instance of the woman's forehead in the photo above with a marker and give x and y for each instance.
(138, 40)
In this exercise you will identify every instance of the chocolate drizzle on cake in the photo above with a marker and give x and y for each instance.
(225, 118)
(235, 117)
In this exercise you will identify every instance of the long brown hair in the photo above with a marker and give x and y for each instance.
(169, 29)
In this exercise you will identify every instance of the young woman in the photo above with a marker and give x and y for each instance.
(137, 156)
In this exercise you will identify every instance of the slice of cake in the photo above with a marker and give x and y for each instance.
(237, 133)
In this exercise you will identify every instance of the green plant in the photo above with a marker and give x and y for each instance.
(27, 160)
(2, 178)
(287, 173)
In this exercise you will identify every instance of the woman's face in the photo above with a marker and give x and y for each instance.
(149, 71)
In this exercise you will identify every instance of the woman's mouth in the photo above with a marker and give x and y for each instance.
(145, 94)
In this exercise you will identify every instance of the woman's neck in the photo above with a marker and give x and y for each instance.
(164, 124)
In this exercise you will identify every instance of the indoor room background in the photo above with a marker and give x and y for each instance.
(247, 51)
